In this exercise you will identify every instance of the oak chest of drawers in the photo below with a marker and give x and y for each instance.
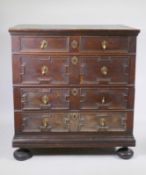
(73, 87)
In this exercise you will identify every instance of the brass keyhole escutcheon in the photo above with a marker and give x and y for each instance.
(104, 44)
(74, 60)
(102, 122)
(74, 91)
(74, 44)
(44, 44)
(45, 122)
(104, 70)
(44, 70)
(74, 115)
(45, 99)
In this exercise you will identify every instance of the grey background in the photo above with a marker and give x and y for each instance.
(128, 12)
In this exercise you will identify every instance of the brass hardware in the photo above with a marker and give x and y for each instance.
(44, 70)
(74, 44)
(74, 91)
(104, 45)
(44, 44)
(74, 115)
(23, 98)
(104, 70)
(103, 100)
(45, 122)
(45, 99)
(74, 60)
(102, 122)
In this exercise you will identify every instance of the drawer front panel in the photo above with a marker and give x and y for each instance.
(73, 98)
(103, 43)
(64, 70)
(104, 98)
(45, 44)
(44, 98)
(41, 70)
(104, 70)
(74, 122)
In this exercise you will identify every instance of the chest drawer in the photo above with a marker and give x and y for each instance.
(73, 98)
(45, 44)
(103, 43)
(73, 122)
(63, 70)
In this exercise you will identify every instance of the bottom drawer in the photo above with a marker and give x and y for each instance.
(32, 122)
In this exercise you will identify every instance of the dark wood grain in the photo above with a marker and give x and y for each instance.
(106, 30)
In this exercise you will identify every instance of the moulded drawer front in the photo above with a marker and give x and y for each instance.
(41, 70)
(74, 122)
(45, 44)
(44, 98)
(73, 98)
(79, 70)
(104, 70)
(103, 43)
(104, 98)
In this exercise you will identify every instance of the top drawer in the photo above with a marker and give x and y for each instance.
(83, 44)
(41, 43)
(103, 43)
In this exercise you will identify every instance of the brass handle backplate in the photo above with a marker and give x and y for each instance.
(104, 45)
(44, 70)
(74, 116)
(74, 91)
(104, 70)
(45, 99)
(74, 44)
(44, 44)
(74, 60)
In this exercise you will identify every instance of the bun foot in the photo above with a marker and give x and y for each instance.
(125, 153)
(22, 154)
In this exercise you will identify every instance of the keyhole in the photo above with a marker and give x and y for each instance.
(74, 116)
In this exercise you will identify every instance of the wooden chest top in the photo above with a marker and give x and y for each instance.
(82, 29)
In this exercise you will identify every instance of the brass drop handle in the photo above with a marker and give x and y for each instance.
(74, 44)
(45, 123)
(103, 100)
(104, 70)
(44, 70)
(104, 44)
(43, 44)
(102, 122)
(45, 99)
